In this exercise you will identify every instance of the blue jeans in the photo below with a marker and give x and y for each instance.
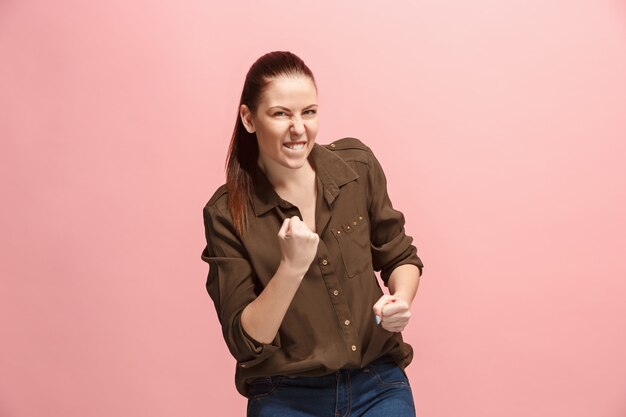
(380, 389)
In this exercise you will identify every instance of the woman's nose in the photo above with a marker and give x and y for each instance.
(297, 126)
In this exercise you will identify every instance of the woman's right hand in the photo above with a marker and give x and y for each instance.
(298, 244)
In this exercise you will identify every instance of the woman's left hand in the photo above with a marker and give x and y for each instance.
(393, 311)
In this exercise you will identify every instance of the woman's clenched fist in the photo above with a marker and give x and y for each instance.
(298, 244)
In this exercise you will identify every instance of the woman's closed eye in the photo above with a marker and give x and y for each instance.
(280, 113)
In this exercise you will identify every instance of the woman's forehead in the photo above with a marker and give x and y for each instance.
(286, 91)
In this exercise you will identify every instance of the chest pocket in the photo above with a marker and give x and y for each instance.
(353, 238)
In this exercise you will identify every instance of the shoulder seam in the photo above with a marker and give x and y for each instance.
(217, 195)
(347, 143)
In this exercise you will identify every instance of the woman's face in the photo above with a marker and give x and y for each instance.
(285, 122)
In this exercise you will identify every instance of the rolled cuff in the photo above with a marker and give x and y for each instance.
(247, 351)
(394, 253)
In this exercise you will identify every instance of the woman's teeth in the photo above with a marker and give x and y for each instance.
(296, 146)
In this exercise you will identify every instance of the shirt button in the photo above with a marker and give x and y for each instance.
(332, 145)
(335, 292)
(243, 365)
(353, 348)
(324, 262)
(347, 322)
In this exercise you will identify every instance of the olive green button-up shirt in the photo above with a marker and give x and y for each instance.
(330, 323)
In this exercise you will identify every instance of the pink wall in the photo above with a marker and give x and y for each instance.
(502, 129)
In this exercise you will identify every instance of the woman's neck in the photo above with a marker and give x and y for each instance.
(289, 179)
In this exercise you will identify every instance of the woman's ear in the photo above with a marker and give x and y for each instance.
(246, 118)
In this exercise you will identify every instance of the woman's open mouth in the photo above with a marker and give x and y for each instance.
(295, 146)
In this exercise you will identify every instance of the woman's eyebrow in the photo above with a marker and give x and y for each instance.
(288, 109)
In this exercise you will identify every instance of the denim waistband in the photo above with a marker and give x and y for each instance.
(380, 360)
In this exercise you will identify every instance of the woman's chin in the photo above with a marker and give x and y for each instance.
(294, 163)
(295, 160)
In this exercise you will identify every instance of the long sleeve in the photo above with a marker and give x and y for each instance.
(231, 285)
(391, 246)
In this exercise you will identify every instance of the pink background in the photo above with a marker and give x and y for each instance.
(501, 126)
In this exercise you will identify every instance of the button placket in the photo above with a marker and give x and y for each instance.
(338, 300)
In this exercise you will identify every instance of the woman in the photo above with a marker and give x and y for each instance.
(293, 240)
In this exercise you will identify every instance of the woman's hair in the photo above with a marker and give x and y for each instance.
(243, 151)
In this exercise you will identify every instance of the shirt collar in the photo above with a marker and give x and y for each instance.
(331, 170)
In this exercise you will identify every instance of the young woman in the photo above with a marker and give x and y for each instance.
(294, 238)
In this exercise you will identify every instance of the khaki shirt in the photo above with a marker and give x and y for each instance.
(330, 323)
